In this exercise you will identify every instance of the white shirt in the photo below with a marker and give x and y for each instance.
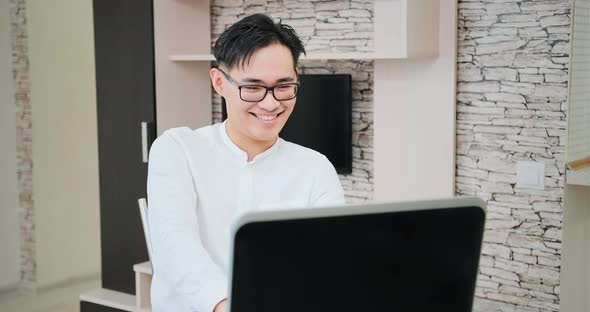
(199, 182)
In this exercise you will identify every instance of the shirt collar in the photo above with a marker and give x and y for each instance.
(240, 153)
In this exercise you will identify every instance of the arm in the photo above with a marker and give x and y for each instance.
(221, 306)
(179, 257)
(327, 190)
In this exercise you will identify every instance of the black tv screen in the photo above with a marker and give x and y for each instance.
(322, 118)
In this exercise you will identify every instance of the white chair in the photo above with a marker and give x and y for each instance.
(144, 270)
(143, 210)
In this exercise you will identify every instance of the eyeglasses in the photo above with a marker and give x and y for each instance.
(256, 93)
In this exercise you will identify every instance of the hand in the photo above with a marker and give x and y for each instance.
(221, 306)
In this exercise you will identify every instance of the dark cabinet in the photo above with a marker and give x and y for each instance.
(124, 51)
(92, 307)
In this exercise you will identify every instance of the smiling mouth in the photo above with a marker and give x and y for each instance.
(266, 117)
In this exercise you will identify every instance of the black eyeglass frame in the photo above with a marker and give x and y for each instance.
(271, 89)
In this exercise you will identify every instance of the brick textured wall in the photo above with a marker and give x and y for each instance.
(324, 26)
(511, 106)
(511, 103)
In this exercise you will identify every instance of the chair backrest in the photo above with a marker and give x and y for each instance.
(143, 210)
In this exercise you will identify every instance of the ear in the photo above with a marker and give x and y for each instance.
(216, 80)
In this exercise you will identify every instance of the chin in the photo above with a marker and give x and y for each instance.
(265, 135)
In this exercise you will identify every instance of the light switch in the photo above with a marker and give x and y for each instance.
(530, 174)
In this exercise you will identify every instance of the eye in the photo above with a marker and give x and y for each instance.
(251, 88)
(285, 88)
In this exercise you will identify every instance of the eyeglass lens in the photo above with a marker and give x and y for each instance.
(258, 93)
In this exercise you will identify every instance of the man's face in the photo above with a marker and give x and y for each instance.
(261, 121)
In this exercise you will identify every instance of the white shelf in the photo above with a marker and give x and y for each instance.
(144, 267)
(353, 56)
(191, 57)
(141, 302)
(578, 177)
(143, 285)
(403, 30)
(110, 298)
(310, 56)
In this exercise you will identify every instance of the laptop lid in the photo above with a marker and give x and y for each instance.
(409, 256)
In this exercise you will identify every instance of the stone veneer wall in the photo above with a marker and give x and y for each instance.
(511, 106)
(324, 26)
(24, 142)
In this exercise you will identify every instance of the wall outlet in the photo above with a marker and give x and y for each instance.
(530, 174)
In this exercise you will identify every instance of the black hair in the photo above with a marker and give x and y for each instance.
(237, 43)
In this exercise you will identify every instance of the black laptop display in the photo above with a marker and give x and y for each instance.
(420, 256)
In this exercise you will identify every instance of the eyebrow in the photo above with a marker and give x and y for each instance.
(280, 80)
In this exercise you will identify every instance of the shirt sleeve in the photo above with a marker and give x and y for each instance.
(179, 257)
(327, 190)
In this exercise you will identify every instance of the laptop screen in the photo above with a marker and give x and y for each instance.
(423, 260)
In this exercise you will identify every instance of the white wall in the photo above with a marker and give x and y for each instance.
(65, 152)
(9, 268)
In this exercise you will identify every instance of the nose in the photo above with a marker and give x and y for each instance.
(269, 102)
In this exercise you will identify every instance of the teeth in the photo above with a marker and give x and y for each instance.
(263, 117)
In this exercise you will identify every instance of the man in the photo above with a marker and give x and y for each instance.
(200, 181)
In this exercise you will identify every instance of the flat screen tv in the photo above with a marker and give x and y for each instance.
(322, 118)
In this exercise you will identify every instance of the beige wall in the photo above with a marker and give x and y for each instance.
(575, 272)
(9, 268)
(63, 96)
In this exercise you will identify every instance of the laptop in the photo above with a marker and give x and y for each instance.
(406, 256)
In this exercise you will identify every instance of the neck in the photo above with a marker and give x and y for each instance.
(252, 147)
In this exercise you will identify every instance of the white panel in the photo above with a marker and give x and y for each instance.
(575, 268)
(578, 146)
(183, 89)
(422, 27)
(390, 27)
(414, 138)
